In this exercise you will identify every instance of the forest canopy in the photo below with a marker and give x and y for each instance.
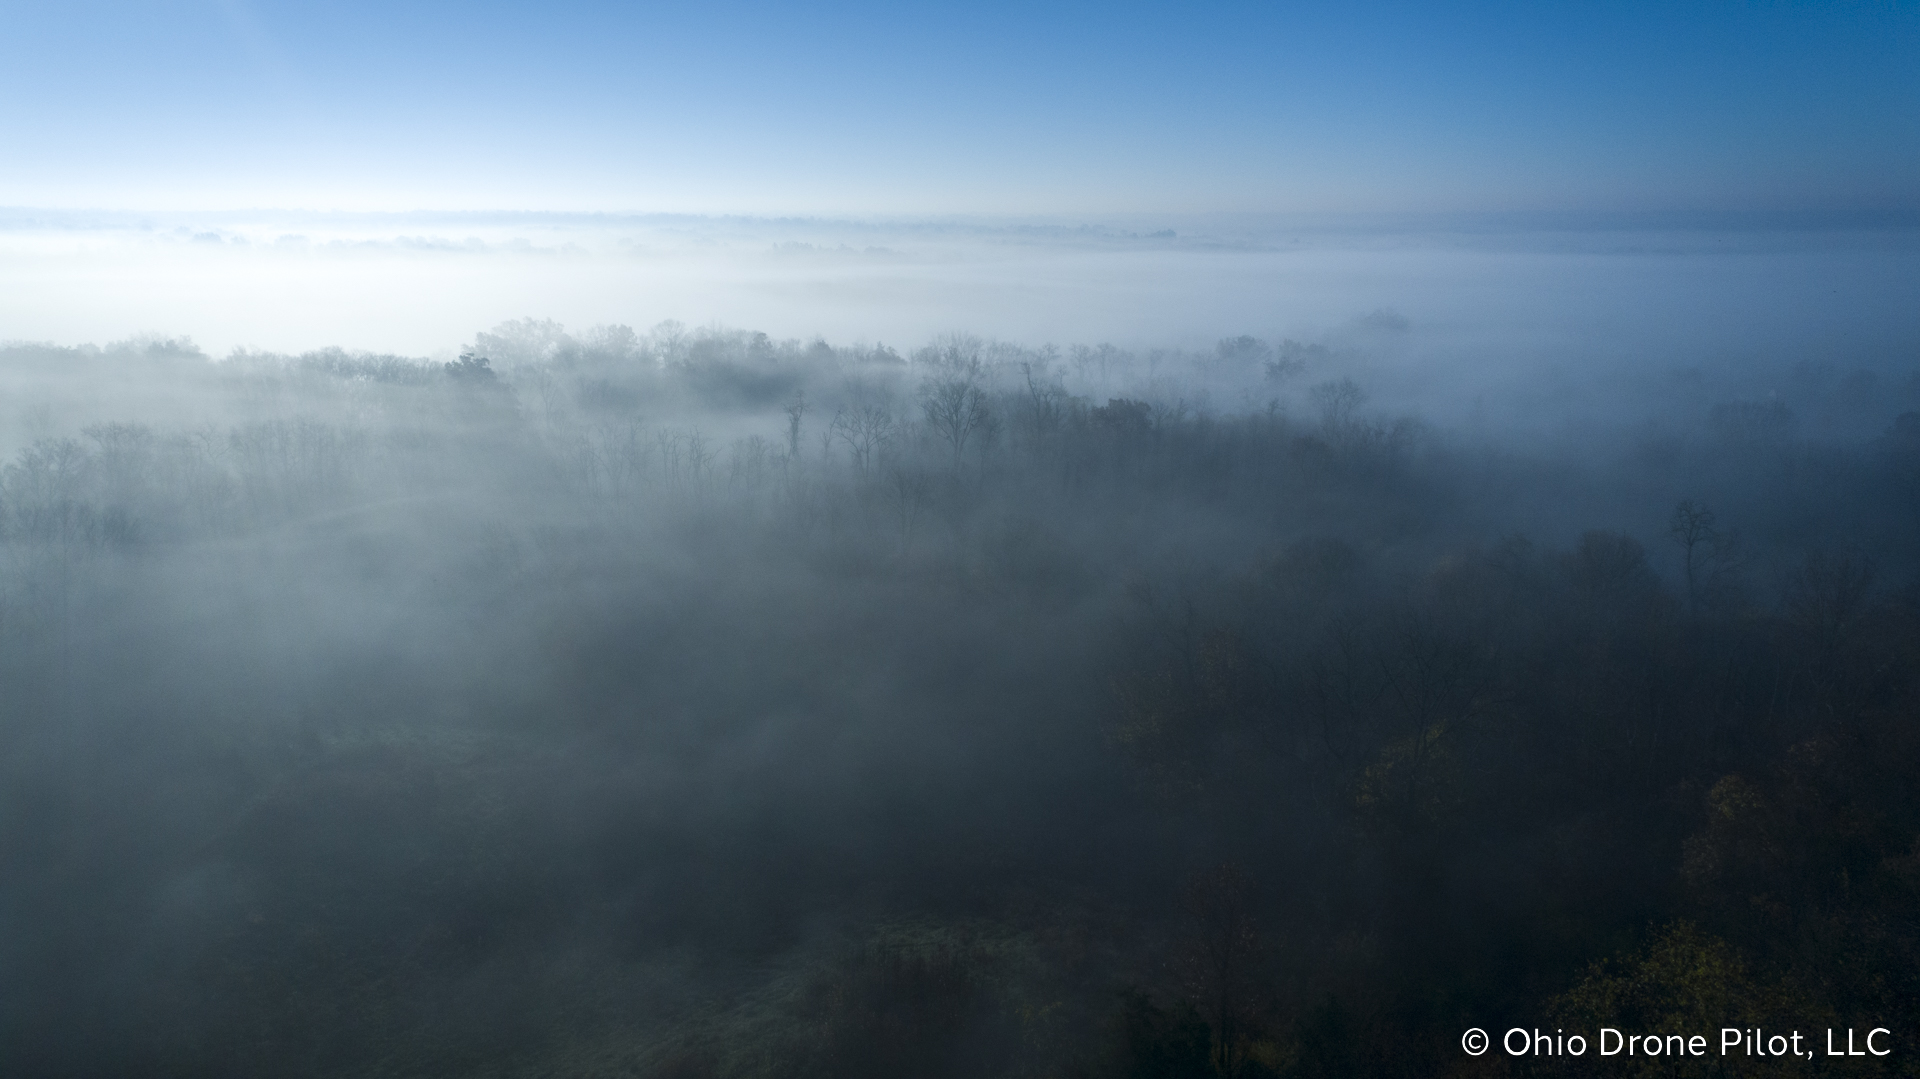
(696, 703)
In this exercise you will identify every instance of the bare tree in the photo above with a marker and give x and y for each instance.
(866, 428)
(1220, 961)
(1692, 528)
(907, 491)
(796, 409)
(1827, 595)
(1711, 555)
(670, 341)
(747, 462)
(1339, 404)
(1098, 361)
(1045, 405)
(955, 404)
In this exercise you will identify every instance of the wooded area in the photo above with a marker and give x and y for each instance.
(698, 705)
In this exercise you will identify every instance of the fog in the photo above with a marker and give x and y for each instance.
(1495, 305)
(544, 645)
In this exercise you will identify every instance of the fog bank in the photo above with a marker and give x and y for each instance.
(1477, 308)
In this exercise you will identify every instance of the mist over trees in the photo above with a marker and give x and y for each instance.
(694, 703)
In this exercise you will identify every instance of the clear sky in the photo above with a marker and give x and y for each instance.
(977, 108)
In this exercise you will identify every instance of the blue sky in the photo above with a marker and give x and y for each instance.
(903, 109)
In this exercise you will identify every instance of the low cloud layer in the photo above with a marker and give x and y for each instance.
(1481, 300)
